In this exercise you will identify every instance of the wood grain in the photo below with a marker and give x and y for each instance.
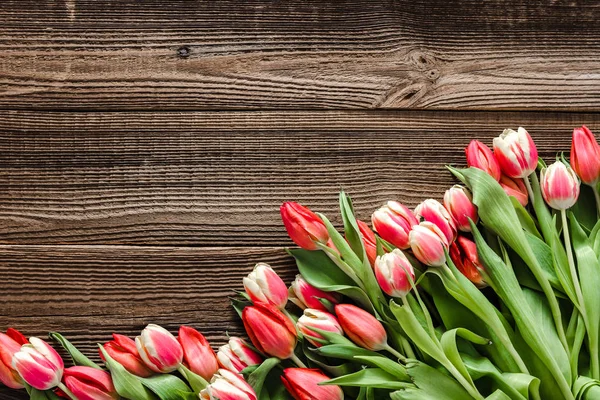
(218, 178)
(84, 54)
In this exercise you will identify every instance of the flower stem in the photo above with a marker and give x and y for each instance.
(62, 387)
(297, 361)
(395, 352)
(597, 197)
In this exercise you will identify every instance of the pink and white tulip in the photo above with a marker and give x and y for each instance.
(304, 226)
(10, 343)
(516, 153)
(303, 384)
(459, 203)
(227, 385)
(515, 187)
(236, 355)
(394, 273)
(159, 349)
(39, 364)
(320, 320)
(393, 222)
(429, 244)
(304, 295)
(88, 383)
(560, 186)
(481, 157)
(361, 327)
(585, 156)
(198, 356)
(264, 286)
(433, 211)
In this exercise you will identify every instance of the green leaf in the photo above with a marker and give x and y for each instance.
(76, 355)
(257, 378)
(434, 383)
(585, 208)
(196, 381)
(525, 218)
(387, 365)
(479, 367)
(126, 384)
(498, 395)
(35, 394)
(369, 377)
(168, 387)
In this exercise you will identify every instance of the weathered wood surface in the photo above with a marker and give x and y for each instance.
(85, 54)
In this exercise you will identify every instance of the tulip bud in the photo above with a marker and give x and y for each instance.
(463, 253)
(10, 343)
(585, 156)
(560, 186)
(39, 364)
(428, 244)
(88, 383)
(198, 356)
(433, 211)
(270, 331)
(459, 203)
(303, 384)
(516, 188)
(393, 222)
(159, 349)
(304, 227)
(516, 153)
(481, 157)
(265, 287)
(361, 327)
(122, 349)
(227, 385)
(369, 241)
(237, 355)
(305, 295)
(392, 271)
(320, 320)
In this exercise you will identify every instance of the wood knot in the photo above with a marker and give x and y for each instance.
(425, 63)
(184, 52)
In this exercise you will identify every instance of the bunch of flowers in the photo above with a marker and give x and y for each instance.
(493, 293)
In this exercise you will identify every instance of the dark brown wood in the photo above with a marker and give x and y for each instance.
(85, 54)
(218, 178)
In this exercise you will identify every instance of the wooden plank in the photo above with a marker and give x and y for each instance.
(268, 54)
(218, 178)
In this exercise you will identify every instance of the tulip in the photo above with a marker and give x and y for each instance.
(122, 349)
(392, 271)
(198, 356)
(459, 203)
(270, 331)
(227, 385)
(303, 384)
(393, 222)
(361, 327)
(237, 355)
(516, 153)
(585, 156)
(10, 343)
(88, 383)
(369, 241)
(480, 156)
(463, 253)
(305, 295)
(428, 244)
(318, 319)
(39, 364)
(159, 349)
(516, 188)
(264, 286)
(433, 211)
(304, 227)
(560, 186)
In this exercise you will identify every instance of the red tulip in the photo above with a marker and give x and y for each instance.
(264, 286)
(480, 156)
(39, 364)
(303, 384)
(516, 153)
(361, 327)
(305, 295)
(320, 320)
(393, 222)
(227, 385)
(560, 186)
(304, 227)
(90, 384)
(433, 211)
(10, 343)
(463, 253)
(585, 156)
(236, 355)
(198, 356)
(270, 331)
(428, 244)
(159, 349)
(393, 271)
(459, 203)
(369, 241)
(122, 349)
(516, 188)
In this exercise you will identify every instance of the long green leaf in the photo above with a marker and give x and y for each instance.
(78, 357)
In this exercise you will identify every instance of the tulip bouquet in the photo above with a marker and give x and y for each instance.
(493, 293)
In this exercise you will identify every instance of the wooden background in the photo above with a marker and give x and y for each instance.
(145, 147)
